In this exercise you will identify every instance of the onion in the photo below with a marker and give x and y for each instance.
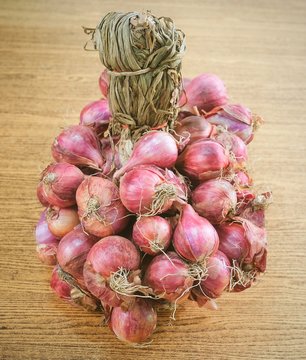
(111, 155)
(61, 221)
(152, 234)
(205, 91)
(237, 119)
(154, 148)
(217, 279)
(46, 242)
(194, 237)
(136, 324)
(71, 293)
(97, 115)
(149, 190)
(72, 252)
(202, 160)
(108, 271)
(104, 83)
(214, 199)
(235, 145)
(59, 183)
(78, 145)
(191, 129)
(100, 209)
(168, 276)
(41, 196)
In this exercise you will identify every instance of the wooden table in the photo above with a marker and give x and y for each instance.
(259, 49)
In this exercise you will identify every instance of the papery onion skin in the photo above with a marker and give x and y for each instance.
(78, 145)
(152, 231)
(111, 155)
(157, 148)
(46, 242)
(214, 199)
(104, 83)
(62, 221)
(59, 183)
(96, 115)
(235, 145)
(106, 257)
(100, 208)
(72, 252)
(136, 324)
(203, 160)
(194, 237)
(168, 276)
(59, 286)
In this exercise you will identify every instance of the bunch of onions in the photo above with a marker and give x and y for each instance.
(61, 221)
(100, 208)
(59, 183)
(78, 145)
(96, 115)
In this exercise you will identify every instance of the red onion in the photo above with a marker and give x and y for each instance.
(154, 148)
(46, 242)
(104, 83)
(41, 196)
(136, 324)
(108, 271)
(100, 209)
(202, 160)
(237, 119)
(194, 237)
(205, 91)
(240, 178)
(111, 155)
(152, 234)
(191, 129)
(214, 199)
(70, 293)
(254, 210)
(59, 183)
(235, 145)
(149, 190)
(97, 115)
(168, 276)
(61, 221)
(72, 252)
(78, 145)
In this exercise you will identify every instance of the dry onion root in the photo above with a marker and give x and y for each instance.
(150, 203)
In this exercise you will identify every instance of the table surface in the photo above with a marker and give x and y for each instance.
(258, 48)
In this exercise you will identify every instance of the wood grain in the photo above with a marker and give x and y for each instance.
(259, 49)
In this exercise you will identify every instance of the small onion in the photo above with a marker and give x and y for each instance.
(100, 209)
(214, 199)
(61, 221)
(152, 234)
(235, 146)
(111, 155)
(135, 324)
(104, 83)
(96, 115)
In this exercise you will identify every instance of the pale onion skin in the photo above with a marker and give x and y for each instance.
(152, 229)
(194, 237)
(157, 148)
(106, 257)
(46, 242)
(110, 216)
(62, 221)
(59, 183)
(104, 83)
(168, 279)
(135, 324)
(78, 145)
(205, 91)
(203, 160)
(96, 115)
(214, 199)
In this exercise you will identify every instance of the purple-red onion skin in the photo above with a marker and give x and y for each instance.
(46, 242)
(59, 286)
(104, 83)
(203, 160)
(100, 208)
(156, 148)
(78, 145)
(150, 231)
(205, 91)
(214, 199)
(136, 324)
(96, 115)
(72, 252)
(167, 275)
(59, 183)
(62, 221)
(235, 145)
(194, 237)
